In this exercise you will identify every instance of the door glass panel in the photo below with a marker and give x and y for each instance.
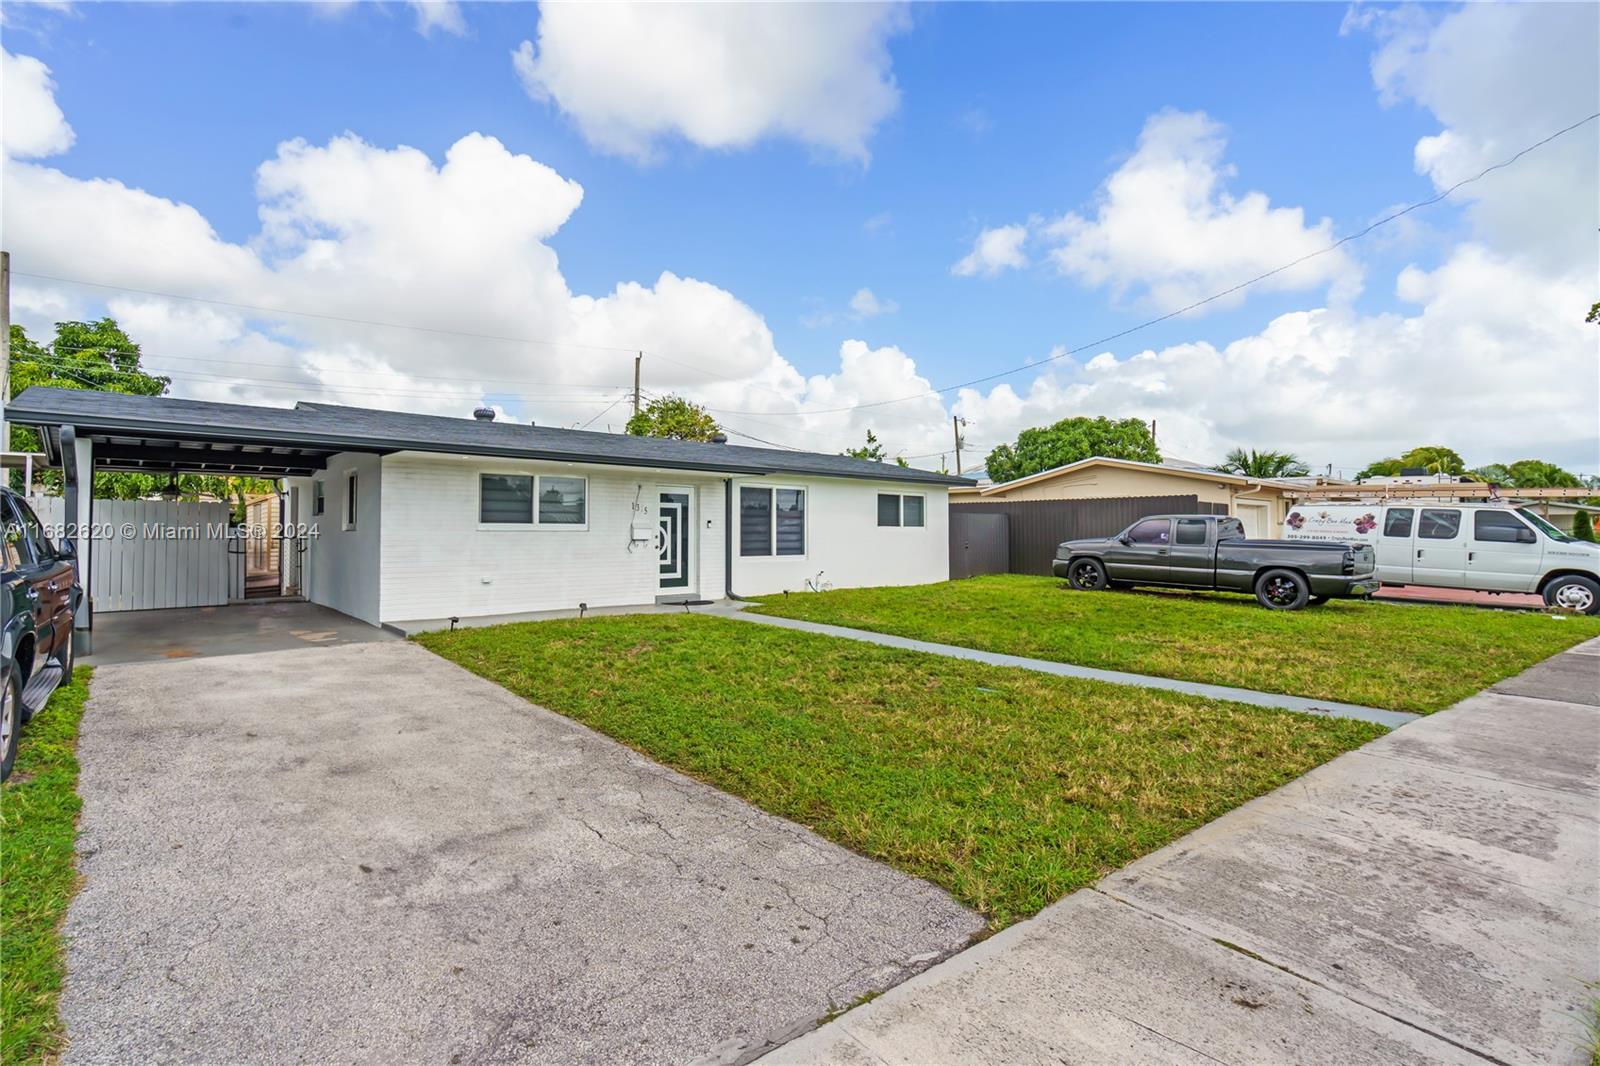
(1191, 531)
(1439, 524)
(1151, 531)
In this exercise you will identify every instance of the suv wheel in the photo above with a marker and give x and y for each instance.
(1087, 575)
(1282, 590)
(10, 722)
(1573, 593)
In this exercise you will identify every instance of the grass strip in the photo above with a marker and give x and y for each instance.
(38, 875)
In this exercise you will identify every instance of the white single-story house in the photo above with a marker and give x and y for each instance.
(415, 517)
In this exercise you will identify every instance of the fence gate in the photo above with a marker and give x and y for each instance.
(979, 543)
(150, 554)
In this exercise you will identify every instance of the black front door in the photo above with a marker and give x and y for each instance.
(674, 540)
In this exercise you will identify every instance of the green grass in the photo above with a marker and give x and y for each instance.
(38, 828)
(1401, 657)
(1008, 787)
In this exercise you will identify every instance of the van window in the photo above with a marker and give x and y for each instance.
(1397, 523)
(1500, 527)
(1151, 531)
(1439, 524)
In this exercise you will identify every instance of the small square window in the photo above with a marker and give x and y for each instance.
(888, 509)
(563, 501)
(505, 499)
(911, 510)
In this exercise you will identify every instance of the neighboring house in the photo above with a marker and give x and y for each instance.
(425, 517)
(1260, 504)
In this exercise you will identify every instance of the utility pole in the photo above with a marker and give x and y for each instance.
(956, 422)
(5, 351)
(636, 361)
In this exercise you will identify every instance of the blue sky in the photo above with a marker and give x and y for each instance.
(1005, 113)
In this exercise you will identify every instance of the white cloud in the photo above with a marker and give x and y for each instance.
(718, 75)
(442, 15)
(34, 124)
(1499, 77)
(996, 249)
(867, 304)
(1166, 228)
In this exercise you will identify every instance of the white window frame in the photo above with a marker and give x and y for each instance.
(524, 527)
(772, 530)
(900, 510)
(351, 513)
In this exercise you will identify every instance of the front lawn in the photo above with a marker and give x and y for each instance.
(38, 875)
(1007, 787)
(1401, 657)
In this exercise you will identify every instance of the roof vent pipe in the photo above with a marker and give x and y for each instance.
(719, 438)
(484, 414)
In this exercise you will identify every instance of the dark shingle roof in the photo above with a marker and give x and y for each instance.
(328, 427)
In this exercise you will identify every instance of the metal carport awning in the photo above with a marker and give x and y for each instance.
(192, 454)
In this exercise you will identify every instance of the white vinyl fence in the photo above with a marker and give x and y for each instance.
(149, 554)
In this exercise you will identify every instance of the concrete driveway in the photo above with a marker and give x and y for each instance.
(362, 853)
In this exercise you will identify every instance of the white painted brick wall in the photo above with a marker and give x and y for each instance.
(437, 561)
(342, 566)
(844, 541)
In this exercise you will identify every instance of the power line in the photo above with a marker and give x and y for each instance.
(327, 317)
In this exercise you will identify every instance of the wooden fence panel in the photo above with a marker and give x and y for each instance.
(151, 554)
(1036, 527)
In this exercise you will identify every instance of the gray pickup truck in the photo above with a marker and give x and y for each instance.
(1212, 552)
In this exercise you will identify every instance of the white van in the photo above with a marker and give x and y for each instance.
(1490, 547)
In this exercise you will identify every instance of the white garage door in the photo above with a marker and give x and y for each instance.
(1254, 518)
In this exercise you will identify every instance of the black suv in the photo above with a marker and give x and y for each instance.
(39, 593)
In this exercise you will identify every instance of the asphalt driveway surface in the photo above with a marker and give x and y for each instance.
(363, 853)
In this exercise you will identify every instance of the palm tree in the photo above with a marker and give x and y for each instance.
(1263, 464)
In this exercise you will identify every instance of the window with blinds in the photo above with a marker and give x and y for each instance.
(791, 532)
(505, 499)
(755, 521)
(897, 510)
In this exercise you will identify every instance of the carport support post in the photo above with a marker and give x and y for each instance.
(77, 470)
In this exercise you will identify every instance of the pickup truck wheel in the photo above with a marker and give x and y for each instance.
(1282, 590)
(1087, 575)
(1573, 593)
(10, 723)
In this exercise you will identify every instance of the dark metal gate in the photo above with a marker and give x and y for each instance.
(1035, 527)
(979, 543)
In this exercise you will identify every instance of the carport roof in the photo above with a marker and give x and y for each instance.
(159, 433)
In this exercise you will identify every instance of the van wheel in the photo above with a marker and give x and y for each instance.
(10, 722)
(1573, 593)
(1282, 590)
(1087, 575)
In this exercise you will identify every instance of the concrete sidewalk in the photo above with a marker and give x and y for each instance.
(1432, 897)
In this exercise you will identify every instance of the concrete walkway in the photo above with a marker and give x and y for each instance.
(1432, 897)
(1115, 677)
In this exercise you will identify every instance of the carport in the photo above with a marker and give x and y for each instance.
(86, 432)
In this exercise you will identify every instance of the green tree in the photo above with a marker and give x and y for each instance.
(1263, 464)
(1434, 458)
(1494, 474)
(1538, 474)
(99, 356)
(1583, 527)
(1594, 315)
(1069, 441)
(675, 417)
(871, 450)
